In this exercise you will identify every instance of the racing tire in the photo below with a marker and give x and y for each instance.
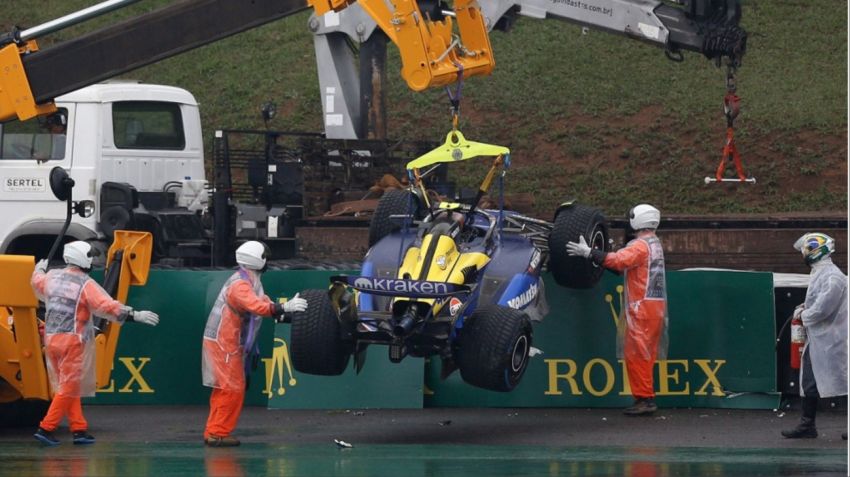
(494, 348)
(316, 343)
(393, 202)
(570, 223)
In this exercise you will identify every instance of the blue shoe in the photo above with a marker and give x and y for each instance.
(46, 437)
(83, 437)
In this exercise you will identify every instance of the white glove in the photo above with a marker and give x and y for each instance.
(798, 312)
(146, 317)
(296, 304)
(41, 266)
(580, 249)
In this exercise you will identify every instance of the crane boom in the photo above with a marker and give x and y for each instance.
(353, 106)
(141, 41)
(704, 26)
(30, 79)
(433, 51)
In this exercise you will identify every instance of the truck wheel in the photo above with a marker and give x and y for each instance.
(494, 348)
(393, 202)
(570, 223)
(316, 340)
(21, 412)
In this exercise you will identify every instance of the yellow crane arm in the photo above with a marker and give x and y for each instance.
(16, 98)
(433, 52)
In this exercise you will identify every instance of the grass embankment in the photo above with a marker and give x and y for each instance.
(594, 116)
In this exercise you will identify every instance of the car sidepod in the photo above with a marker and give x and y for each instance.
(512, 278)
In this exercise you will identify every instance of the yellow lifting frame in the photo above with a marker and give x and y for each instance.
(458, 148)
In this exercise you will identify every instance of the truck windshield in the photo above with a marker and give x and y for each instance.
(147, 125)
(41, 138)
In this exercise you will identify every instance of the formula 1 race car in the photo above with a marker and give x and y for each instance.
(448, 279)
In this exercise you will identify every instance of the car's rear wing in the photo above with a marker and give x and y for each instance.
(400, 287)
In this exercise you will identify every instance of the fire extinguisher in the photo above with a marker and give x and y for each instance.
(798, 341)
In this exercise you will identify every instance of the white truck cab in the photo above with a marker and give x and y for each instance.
(138, 139)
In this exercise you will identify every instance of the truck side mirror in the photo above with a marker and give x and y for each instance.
(60, 183)
(61, 186)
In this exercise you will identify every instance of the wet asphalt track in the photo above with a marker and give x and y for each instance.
(153, 440)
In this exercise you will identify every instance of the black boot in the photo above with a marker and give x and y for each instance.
(641, 407)
(83, 437)
(806, 428)
(46, 437)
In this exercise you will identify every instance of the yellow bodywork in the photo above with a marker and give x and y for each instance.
(455, 262)
(456, 148)
(22, 366)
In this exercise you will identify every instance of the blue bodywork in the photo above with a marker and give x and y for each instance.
(511, 278)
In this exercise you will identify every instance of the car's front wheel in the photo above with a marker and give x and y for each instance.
(494, 349)
(572, 222)
(393, 203)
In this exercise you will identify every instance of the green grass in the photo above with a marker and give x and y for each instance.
(599, 117)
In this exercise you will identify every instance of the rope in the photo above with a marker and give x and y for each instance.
(405, 226)
(501, 203)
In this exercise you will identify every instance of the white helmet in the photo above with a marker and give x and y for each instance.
(814, 246)
(252, 255)
(78, 253)
(644, 216)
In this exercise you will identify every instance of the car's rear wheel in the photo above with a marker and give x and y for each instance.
(393, 202)
(571, 223)
(316, 340)
(494, 348)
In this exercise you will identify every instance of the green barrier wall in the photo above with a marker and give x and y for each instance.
(381, 384)
(721, 354)
(721, 351)
(162, 365)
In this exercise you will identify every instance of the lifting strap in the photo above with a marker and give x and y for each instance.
(456, 147)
